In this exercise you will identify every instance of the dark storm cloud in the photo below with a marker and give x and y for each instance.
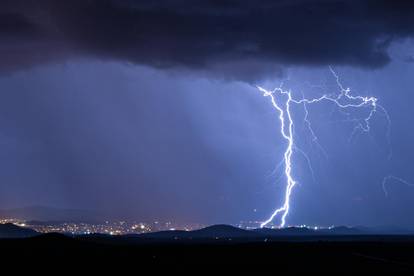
(235, 39)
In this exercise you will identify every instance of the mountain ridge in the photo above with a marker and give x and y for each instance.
(10, 230)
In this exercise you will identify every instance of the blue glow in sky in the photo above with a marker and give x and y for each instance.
(132, 141)
(145, 111)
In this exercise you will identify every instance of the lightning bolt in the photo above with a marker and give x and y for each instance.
(282, 100)
(395, 178)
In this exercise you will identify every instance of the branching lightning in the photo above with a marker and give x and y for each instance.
(395, 178)
(282, 100)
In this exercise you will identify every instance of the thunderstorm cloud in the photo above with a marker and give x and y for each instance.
(243, 40)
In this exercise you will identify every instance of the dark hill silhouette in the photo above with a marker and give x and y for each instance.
(10, 230)
(343, 230)
(211, 232)
(387, 230)
(223, 231)
(50, 237)
(217, 232)
(303, 231)
(289, 231)
(228, 232)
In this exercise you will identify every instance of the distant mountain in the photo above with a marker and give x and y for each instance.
(220, 231)
(43, 213)
(227, 231)
(386, 230)
(289, 231)
(343, 230)
(223, 231)
(304, 231)
(10, 230)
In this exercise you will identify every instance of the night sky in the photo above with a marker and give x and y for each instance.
(145, 110)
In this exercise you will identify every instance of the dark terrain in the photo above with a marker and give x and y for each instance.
(10, 230)
(212, 248)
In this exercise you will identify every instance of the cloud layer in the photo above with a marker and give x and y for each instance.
(242, 40)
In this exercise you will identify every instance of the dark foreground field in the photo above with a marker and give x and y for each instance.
(50, 252)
